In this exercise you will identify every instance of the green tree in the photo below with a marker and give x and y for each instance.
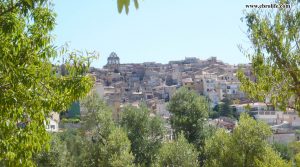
(189, 114)
(271, 158)
(108, 145)
(246, 146)
(224, 109)
(67, 149)
(250, 137)
(56, 156)
(97, 143)
(294, 148)
(29, 87)
(77, 147)
(217, 150)
(177, 153)
(145, 133)
(297, 160)
(97, 119)
(118, 149)
(283, 150)
(275, 36)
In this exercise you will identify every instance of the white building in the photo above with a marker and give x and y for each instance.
(52, 125)
(209, 83)
(99, 89)
(53, 121)
(231, 89)
(267, 114)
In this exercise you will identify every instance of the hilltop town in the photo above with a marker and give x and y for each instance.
(154, 84)
(189, 112)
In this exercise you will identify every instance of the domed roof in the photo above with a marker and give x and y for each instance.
(113, 59)
(113, 55)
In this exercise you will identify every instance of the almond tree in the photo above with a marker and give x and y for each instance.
(30, 87)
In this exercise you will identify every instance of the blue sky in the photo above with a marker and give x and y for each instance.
(160, 30)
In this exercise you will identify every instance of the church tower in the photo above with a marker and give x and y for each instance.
(113, 62)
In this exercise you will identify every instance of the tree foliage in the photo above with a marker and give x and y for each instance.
(283, 150)
(224, 109)
(118, 149)
(67, 149)
(125, 4)
(109, 145)
(145, 133)
(189, 113)
(98, 142)
(30, 88)
(297, 159)
(178, 153)
(56, 156)
(274, 35)
(246, 146)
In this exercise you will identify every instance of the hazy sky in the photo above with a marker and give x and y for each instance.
(160, 30)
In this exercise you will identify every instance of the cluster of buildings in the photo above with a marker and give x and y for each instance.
(154, 84)
(284, 124)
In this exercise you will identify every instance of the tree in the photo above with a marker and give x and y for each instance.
(76, 150)
(108, 145)
(98, 120)
(97, 143)
(294, 148)
(246, 146)
(271, 158)
(250, 139)
(224, 109)
(283, 150)
(144, 132)
(67, 149)
(118, 149)
(177, 153)
(30, 88)
(275, 37)
(56, 156)
(217, 150)
(189, 113)
(297, 159)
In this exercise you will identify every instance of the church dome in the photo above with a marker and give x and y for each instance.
(113, 56)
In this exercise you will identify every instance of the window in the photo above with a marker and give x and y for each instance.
(52, 126)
